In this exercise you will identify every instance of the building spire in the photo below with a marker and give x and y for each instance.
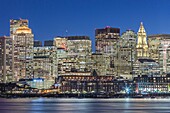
(142, 45)
(141, 28)
(141, 23)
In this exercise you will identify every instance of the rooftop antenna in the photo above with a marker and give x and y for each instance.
(66, 32)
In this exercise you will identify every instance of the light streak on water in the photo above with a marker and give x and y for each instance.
(72, 105)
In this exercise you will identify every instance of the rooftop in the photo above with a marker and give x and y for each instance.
(78, 38)
(146, 60)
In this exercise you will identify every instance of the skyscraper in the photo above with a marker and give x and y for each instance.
(49, 43)
(78, 55)
(37, 43)
(60, 42)
(127, 53)
(106, 39)
(142, 44)
(107, 43)
(6, 59)
(45, 62)
(16, 23)
(23, 52)
(100, 63)
(159, 50)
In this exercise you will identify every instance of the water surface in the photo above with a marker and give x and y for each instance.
(55, 105)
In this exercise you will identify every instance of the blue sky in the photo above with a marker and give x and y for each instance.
(50, 18)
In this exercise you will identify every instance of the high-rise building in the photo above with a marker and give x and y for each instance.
(147, 67)
(6, 59)
(60, 42)
(126, 54)
(61, 61)
(106, 39)
(159, 50)
(49, 43)
(142, 44)
(107, 43)
(16, 23)
(23, 53)
(74, 55)
(45, 62)
(37, 43)
(79, 49)
(101, 63)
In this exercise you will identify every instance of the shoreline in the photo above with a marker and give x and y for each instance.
(84, 96)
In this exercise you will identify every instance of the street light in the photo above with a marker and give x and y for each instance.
(127, 90)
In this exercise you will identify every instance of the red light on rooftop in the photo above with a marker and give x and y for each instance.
(107, 26)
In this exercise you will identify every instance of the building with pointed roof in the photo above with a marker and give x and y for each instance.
(142, 44)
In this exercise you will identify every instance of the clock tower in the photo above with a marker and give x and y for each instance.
(142, 45)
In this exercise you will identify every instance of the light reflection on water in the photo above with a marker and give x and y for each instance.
(54, 105)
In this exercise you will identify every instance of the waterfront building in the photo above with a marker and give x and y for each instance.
(45, 62)
(23, 53)
(37, 43)
(127, 54)
(37, 83)
(6, 59)
(146, 66)
(150, 85)
(159, 49)
(16, 23)
(82, 84)
(142, 44)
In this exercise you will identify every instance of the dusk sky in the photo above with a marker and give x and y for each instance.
(50, 18)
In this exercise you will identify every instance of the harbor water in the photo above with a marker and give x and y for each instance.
(74, 105)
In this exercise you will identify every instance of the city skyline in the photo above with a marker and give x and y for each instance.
(47, 19)
(84, 56)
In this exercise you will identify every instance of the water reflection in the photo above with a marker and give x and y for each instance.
(53, 105)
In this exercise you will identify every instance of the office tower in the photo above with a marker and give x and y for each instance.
(106, 39)
(16, 23)
(45, 62)
(159, 49)
(49, 43)
(107, 43)
(76, 58)
(147, 67)
(79, 50)
(101, 63)
(142, 44)
(23, 52)
(127, 53)
(6, 59)
(60, 42)
(61, 61)
(37, 43)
